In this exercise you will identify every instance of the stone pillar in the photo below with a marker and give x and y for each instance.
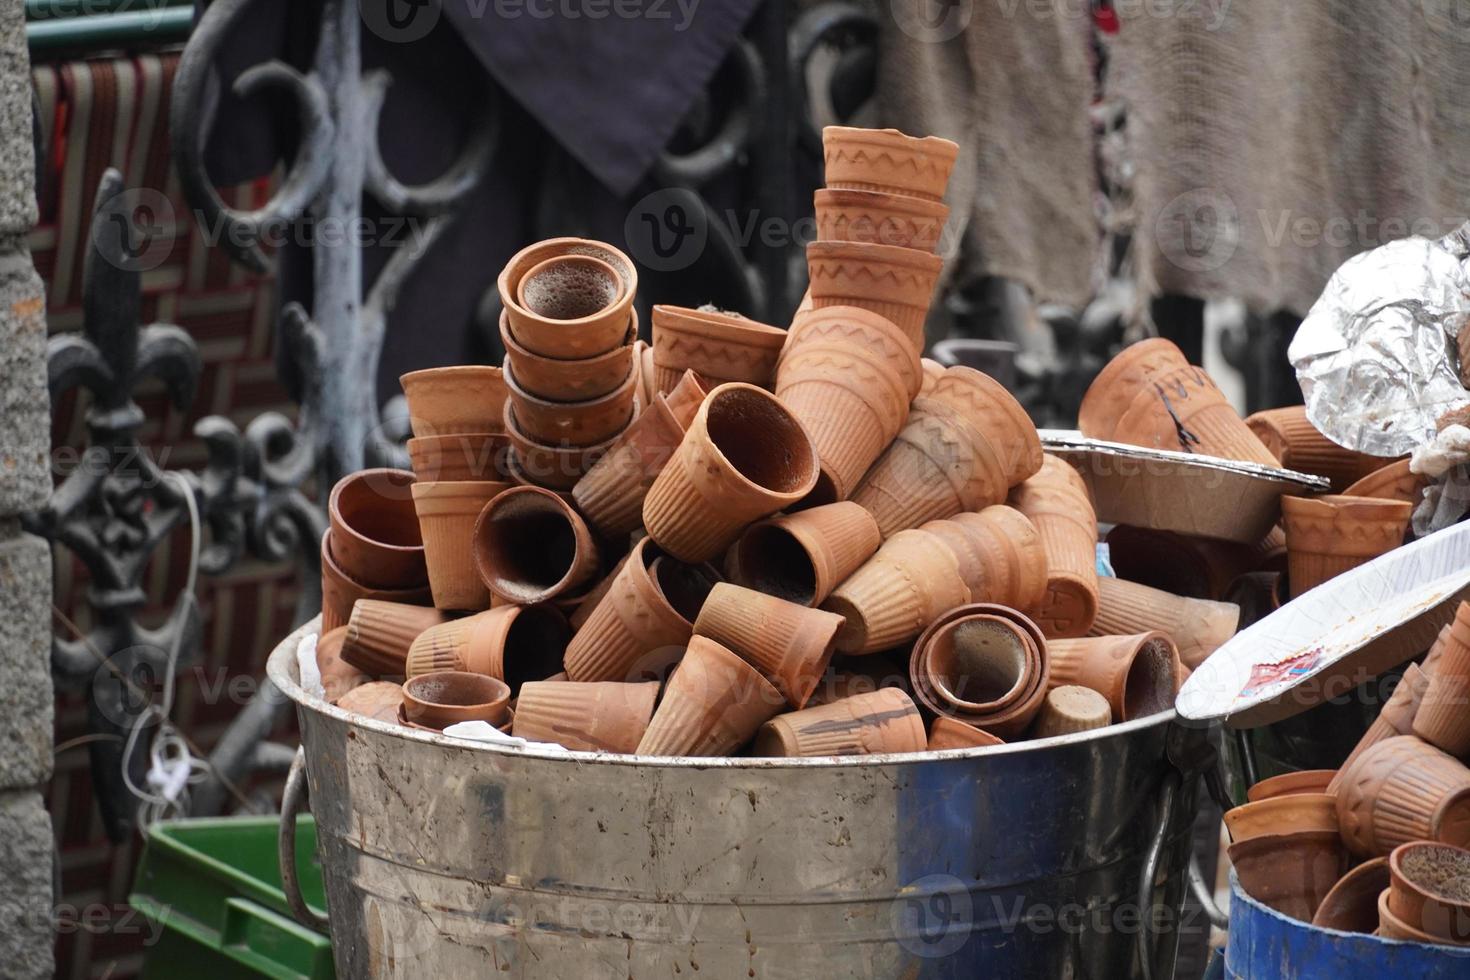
(26, 840)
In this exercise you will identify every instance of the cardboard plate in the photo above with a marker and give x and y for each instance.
(1181, 492)
(1341, 634)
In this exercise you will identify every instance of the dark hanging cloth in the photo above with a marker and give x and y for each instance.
(596, 95)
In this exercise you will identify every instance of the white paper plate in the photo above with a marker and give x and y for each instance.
(1181, 492)
(1337, 636)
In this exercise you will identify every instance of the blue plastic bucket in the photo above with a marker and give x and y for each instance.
(1266, 945)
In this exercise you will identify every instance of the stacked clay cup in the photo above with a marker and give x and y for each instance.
(879, 222)
(372, 548)
(571, 379)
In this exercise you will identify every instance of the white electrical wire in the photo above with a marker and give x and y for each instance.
(172, 769)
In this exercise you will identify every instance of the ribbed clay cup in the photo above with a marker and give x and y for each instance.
(717, 346)
(713, 704)
(1057, 503)
(513, 643)
(449, 400)
(1326, 536)
(1185, 411)
(1443, 719)
(1069, 709)
(1290, 872)
(983, 664)
(1401, 790)
(849, 376)
(449, 697)
(529, 545)
(879, 217)
(866, 724)
(1135, 673)
(802, 557)
(887, 160)
(610, 495)
(895, 283)
(574, 311)
(744, 457)
(570, 380)
(338, 676)
(910, 581)
(379, 700)
(1393, 482)
(1352, 904)
(649, 609)
(379, 634)
(375, 531)
(596, 717)
(1116, 386)
(585, 423)
(947, 733)
(789, 644)
(992, 410)
(555, 467)
(1395, 718)
(1299, 445)
(937, 466)
(459, 457)
(1429, 889)
(1198, 627)
(340, 593)
(447, 514)
(1009, 552)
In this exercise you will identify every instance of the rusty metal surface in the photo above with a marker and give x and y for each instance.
(442, 856)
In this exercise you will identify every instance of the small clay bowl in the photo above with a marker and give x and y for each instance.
(1352, 905)
(569, 380)
(1430, 889)
(552, 467)
(1391, 926)
(375, 530)
(448, 697)
(1291, 784)
(574, 423)
(1291, 814)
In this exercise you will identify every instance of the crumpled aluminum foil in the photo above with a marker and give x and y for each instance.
(1376, 355)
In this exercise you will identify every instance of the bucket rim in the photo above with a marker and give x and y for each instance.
(280, 669)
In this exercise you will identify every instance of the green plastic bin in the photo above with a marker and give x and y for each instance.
(214, 887)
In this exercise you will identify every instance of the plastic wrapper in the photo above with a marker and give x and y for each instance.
(1377, 354)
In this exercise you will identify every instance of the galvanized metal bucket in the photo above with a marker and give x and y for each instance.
(442, 857)
(1266, 945)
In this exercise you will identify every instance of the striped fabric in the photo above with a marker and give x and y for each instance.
(114, 112)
